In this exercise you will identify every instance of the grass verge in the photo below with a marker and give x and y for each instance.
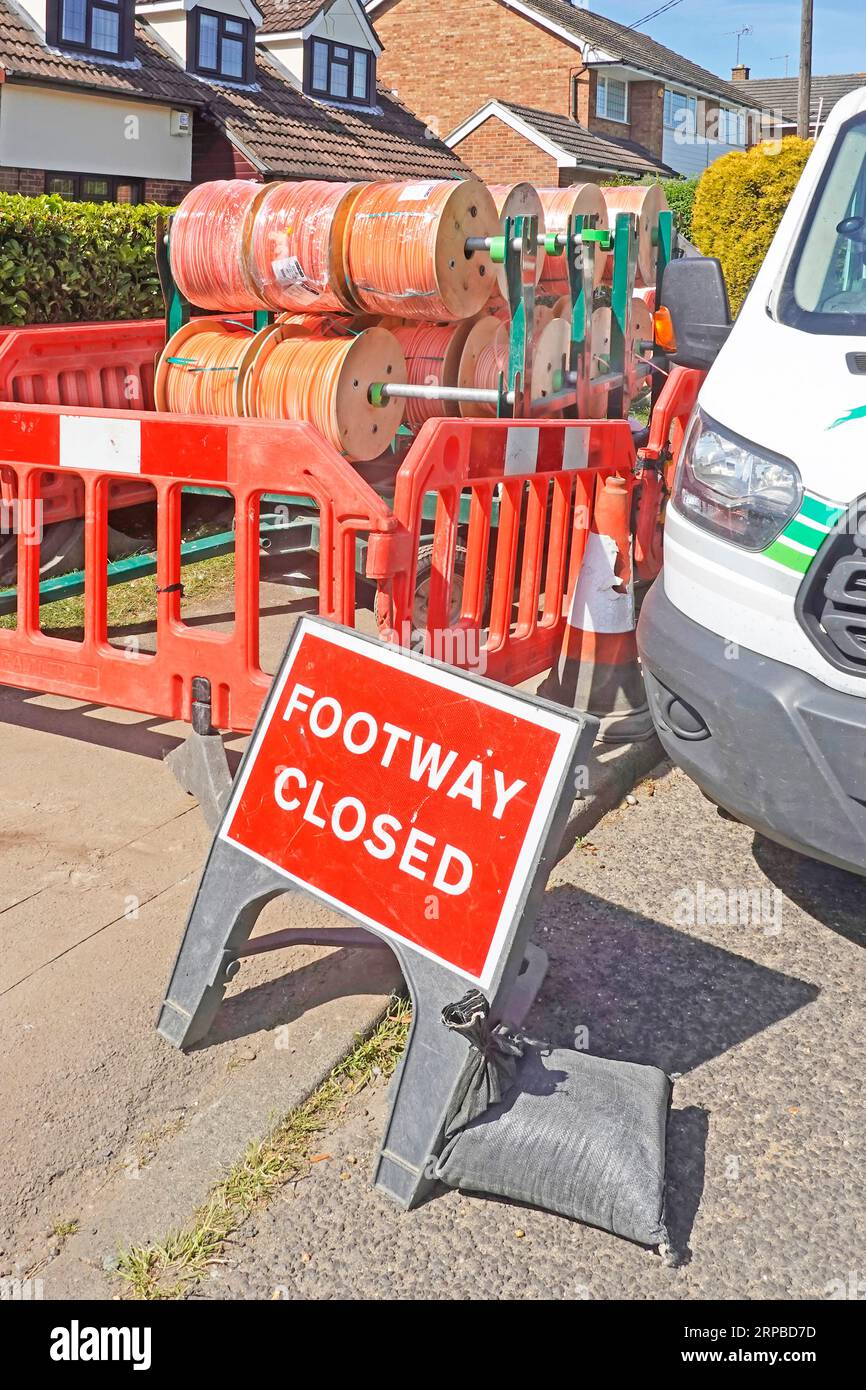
(134, 603)
(172, 1267)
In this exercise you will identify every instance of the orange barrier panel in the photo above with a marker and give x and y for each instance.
(668, 424)
(247, 458)
(101, 365)
(104, 366)
(518, 499)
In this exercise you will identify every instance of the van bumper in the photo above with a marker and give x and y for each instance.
(773, 746)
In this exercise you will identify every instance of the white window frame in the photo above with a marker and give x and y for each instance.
(601, 98)
(732, 121)
(691, 105)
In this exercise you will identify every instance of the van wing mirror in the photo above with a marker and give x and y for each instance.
(696, 297)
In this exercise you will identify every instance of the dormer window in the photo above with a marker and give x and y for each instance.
(220, 45)
(339, 72)
(103, 28)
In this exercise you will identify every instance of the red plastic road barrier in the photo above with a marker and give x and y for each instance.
(99, 365)
(529, 490)
(245, 457)
(410, 796)
(668, 425)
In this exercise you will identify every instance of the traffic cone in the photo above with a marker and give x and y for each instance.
(598, 671)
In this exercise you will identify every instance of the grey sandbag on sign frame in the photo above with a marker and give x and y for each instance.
(577, 1135)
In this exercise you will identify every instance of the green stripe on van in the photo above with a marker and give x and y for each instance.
(806, 535)
(789, 557)
(826, 513)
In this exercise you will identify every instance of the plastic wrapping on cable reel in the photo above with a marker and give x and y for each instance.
(208, 246)
(294, 246)
(577, 1135)
(405, 249)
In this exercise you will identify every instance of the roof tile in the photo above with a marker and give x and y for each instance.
(782, 93)
(285, 133)
(595, 151)
(632, 47)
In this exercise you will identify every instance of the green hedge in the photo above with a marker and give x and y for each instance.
(680, 194)
(64, 262)
(740, 202)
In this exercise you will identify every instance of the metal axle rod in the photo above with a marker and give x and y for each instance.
(393, 390)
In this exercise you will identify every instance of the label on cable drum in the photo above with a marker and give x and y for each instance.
(288, 271)
(416, 192)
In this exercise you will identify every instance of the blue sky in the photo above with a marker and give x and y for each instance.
(701, 30)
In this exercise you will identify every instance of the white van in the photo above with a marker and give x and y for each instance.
(753, 641)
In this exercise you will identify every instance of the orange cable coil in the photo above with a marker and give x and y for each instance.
(208, 246)
(406, 249)
(326, 381)
(578, 200)
(202, 368)
(432, 353)
(294, 246)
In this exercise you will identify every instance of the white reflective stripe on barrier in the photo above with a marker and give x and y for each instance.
(575, 449)
(521, 451)
(104, 446)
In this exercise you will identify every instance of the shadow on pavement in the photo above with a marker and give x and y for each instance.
(647, 992)
(340, 975)
(832, 896)
(686, 1166)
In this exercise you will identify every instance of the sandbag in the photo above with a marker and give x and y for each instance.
(577, 1135)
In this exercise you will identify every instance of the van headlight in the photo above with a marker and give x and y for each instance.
(733, 488)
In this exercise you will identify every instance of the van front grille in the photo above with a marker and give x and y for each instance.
(831, 605)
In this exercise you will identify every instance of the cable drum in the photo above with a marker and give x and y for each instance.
(481, 336)
(327, 382)
(433, 353)
(486, 361)
(648, 202)
(580, 200)
(203, 367)
(405, 249)
(517, 200)
(207, 246)
(294, 246)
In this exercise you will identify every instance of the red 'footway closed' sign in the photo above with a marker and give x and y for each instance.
(411, 797)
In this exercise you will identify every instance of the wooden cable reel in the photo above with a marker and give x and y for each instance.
(207, 246)
(433, 355)
(602, 326)
(485, 358)
(643, 331)
(560, 204)
(647, 202)
(518, 200)
(203, 368)
(550, 359)
(481, 336)
(405, 249)
(326, 381)
(293, 243)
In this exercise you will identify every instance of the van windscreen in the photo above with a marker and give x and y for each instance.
(824, 290)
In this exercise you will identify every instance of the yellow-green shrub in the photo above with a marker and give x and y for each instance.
(740, 202)
(66, 262)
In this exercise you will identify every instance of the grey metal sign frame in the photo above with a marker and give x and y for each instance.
(235, 887)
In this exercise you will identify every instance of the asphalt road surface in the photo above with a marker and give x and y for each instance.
(752, 995)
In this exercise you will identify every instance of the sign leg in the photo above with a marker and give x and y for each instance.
(233, 891)
(423, 1086)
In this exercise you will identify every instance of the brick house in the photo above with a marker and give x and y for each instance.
(552, 91)
(108, 100)
(781, 95)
